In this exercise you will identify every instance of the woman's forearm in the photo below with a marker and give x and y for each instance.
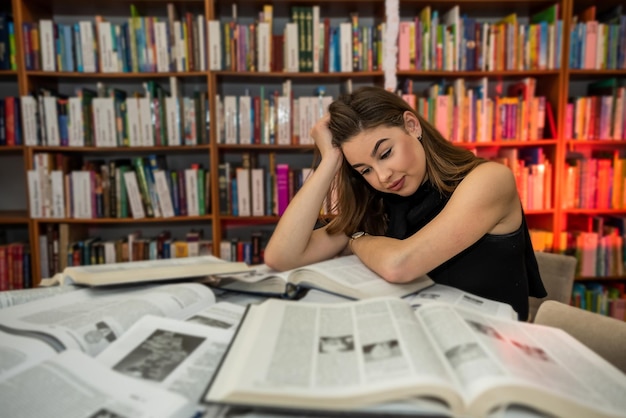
(291, 238)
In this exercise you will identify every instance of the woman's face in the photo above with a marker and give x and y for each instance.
(391, 160)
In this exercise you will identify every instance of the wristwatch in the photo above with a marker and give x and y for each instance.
(357, 235)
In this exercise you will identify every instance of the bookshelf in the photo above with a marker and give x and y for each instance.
(556, 82)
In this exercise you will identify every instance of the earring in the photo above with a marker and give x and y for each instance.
(419, 137)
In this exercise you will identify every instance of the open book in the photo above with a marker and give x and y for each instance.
(295, 356)
(90, 319)
(145, 271)
(345, 276)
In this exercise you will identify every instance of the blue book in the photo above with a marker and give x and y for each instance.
(78, 50)
(68, 48)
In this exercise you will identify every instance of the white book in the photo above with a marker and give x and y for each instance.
(226, 250)
(181, 48)
(161, 46)
(58, 195)
(42, 165)
(291, 48)
(35, 202)
(189, 116)
(134, 195)
(163, 192)
(245, 120)
(264, 44)
(108, 59)
(51, 118)
(145, 121)
(191, 191)
(215, 45)
(304, 107)
(28, 106)
(46, 44)
(88, 52)
(345, 47)
(230, 119)
(109, 252)
(283, 120)
(81, 194)
(132, 118)
(76, 129)
(316, 39)
(243, 191)
(257, 178)
(104, 121)
(201, 65)
(172, 115)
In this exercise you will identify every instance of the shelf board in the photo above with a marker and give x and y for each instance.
(100, 75)
(282, 74)
(173, 148)
(11, 149)
(457, 74)
(594, 211)
(175, 219)
(265, 147)
(507, 143)
(14, 217)
(8, 73)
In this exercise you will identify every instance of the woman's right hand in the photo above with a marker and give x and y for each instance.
(323, 140)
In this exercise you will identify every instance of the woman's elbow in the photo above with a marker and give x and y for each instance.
(396, 274)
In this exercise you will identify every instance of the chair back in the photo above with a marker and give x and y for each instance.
(557, 273)
(602, 334)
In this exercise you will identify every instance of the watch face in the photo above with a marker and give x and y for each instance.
(358, 234)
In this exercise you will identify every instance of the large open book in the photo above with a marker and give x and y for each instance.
(349, 355)
(145, 271)
(345, 276)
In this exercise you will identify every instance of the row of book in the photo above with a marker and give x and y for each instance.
(598, 40)
(137, 44)
(452, 41)
(273, 118)
(251, 190)
(136, 187)
(61, 246)
(15, 272)
(111, 117)
(605, 299)
(466, 112)
(595, 181)
(600, 115)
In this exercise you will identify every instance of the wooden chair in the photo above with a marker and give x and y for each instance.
(557, 272)
(602, 334)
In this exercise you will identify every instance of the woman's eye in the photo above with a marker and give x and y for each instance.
(385, 154)
(365, 171)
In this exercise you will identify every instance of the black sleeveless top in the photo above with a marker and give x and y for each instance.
(498, 267)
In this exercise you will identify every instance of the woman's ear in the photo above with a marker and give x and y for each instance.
(411, 123)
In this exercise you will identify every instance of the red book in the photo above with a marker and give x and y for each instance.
(9, 119)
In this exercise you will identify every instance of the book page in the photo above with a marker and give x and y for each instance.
(17, 297)
(453, 296)
(74, 384)
(348, 276)
(500, 361)
(18, 353)
(90, 319)
(349, 354)
(173, 354)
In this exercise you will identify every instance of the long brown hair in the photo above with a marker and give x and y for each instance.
(359, 206)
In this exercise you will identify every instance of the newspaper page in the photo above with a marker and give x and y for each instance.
(91, 319)
(176, 355)
(18, 297)
(225, 315)
(457, 297)
(18, 353)
(486, 352)
(354, 353)
(72, 384)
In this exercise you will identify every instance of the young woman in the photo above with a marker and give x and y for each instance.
(409, 203)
